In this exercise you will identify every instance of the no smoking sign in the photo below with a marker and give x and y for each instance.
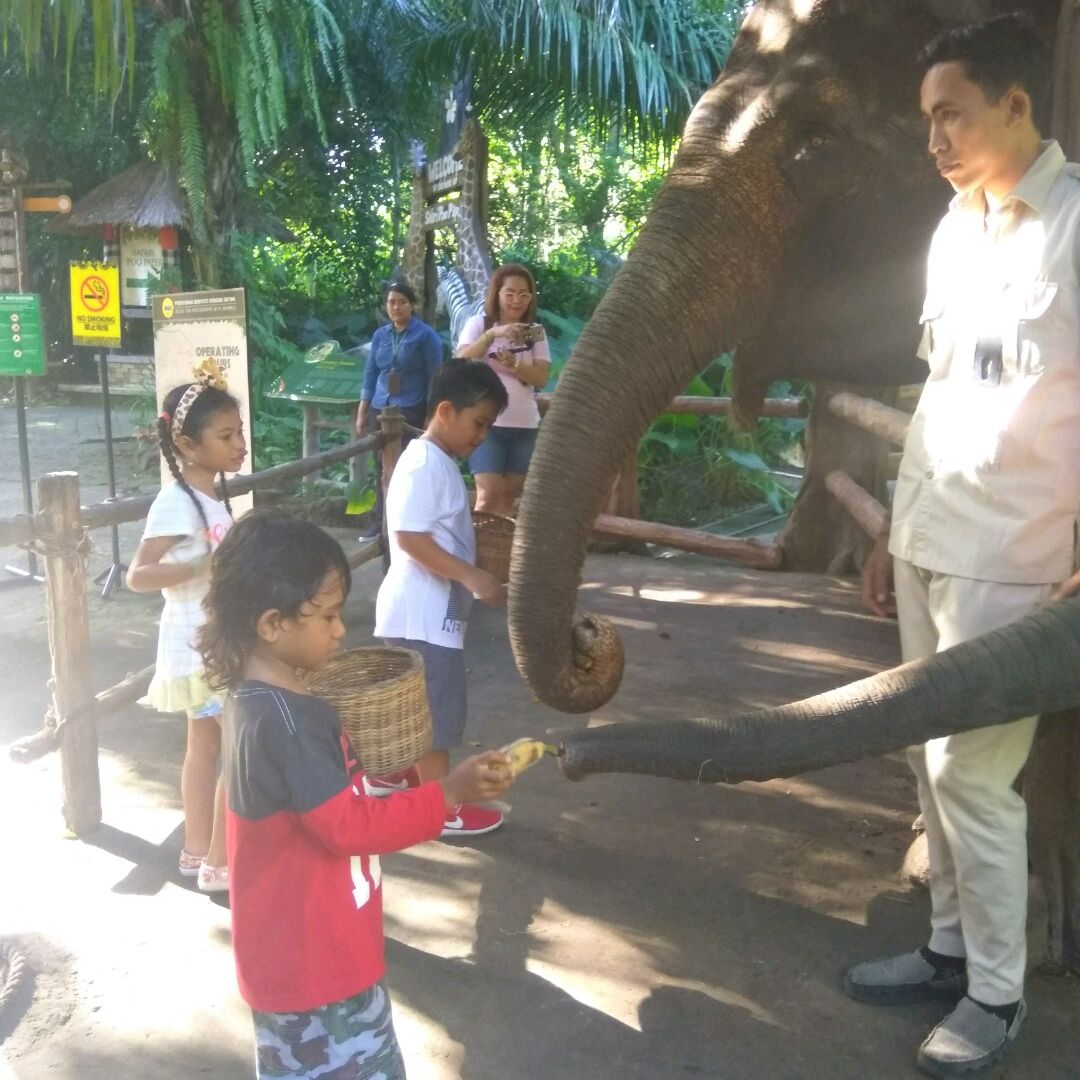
(95, 294)
(95, 304)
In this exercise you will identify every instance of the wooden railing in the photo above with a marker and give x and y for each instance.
(621, 521)
(884, 422)
(59, 533)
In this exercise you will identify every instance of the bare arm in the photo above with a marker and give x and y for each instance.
(1068, 588)
(477, 350)
(148, 573)
(877, 578)
(534, 374)
(423, 547)
(361, 417)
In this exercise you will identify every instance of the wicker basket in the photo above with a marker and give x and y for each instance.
(494, 539)
(380, 695)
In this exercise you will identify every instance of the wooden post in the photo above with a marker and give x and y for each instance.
(310, 437)
(873, 416)
(69, 641)
(816, 538)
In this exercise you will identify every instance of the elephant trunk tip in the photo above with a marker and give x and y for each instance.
(588, 674)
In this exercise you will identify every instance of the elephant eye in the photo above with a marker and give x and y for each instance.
(811, 145)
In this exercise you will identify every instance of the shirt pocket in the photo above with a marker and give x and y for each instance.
(939, 336)
(1038, 327)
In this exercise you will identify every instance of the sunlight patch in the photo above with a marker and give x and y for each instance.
(744, 123)
(633, 970)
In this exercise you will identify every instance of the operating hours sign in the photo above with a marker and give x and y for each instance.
(95, 304)
(22, 344)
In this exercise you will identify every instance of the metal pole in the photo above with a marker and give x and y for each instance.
(24, 463)
(108, 578)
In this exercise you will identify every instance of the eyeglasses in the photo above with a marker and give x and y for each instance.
(514, 294)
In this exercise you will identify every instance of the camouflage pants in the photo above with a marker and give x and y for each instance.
(346, 1040)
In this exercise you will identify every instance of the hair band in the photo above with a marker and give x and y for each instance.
(207, 375)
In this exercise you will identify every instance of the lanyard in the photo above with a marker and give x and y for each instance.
(393, 379)
(396, 338)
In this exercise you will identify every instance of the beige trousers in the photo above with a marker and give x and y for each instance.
(976, 824)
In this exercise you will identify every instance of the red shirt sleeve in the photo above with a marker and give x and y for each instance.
(349, 823)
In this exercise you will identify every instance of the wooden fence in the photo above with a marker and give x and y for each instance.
(621, 521)
(884, 422)
(59, 533)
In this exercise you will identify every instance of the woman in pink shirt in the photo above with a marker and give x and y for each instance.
(508, 338)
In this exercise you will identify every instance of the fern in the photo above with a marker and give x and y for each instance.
(192, 160)
(247, 127)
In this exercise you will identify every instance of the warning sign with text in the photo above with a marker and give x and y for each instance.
(95, 304)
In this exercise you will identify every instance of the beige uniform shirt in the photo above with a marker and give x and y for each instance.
(989, 482)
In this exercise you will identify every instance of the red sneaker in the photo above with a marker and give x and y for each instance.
(387, 785)
(466, 820)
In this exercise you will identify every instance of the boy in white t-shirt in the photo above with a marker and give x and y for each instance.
(424, 600)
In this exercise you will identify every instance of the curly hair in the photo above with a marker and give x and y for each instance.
(268, 561)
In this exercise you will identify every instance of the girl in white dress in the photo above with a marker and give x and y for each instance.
(201, 437)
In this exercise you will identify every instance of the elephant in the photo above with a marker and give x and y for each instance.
(792, 228)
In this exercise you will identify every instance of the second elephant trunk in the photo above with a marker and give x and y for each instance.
(1032, 666)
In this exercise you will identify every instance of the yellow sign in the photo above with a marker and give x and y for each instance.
(95, 304)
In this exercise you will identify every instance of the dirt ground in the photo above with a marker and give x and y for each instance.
(624, 927)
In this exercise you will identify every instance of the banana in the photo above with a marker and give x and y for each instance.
(525, 752)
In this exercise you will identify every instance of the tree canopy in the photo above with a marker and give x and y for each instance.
(227, 79)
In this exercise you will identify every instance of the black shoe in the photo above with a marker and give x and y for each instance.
(901, 980)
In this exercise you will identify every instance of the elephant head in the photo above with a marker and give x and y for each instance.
(1028, 667)
(793, 228)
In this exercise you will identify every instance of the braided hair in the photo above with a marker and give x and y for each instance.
(203, 409)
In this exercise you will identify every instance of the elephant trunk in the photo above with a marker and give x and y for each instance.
(1030, 667)
(666, 315)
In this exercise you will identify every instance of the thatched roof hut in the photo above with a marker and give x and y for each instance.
(145, 196)
(148, 196)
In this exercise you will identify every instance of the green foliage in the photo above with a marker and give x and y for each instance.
(637, 65)
(65, 138)
(692, 469)
(581, 102)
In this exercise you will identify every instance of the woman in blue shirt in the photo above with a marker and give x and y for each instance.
(404, 355)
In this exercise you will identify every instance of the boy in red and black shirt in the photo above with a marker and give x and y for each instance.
(304, 841)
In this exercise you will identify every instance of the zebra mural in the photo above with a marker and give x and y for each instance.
(453, 298)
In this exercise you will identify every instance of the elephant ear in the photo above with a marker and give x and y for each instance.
(749, 383)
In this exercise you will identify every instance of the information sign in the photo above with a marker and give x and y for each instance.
(22, 344)
(192, 327)
(95, 304)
